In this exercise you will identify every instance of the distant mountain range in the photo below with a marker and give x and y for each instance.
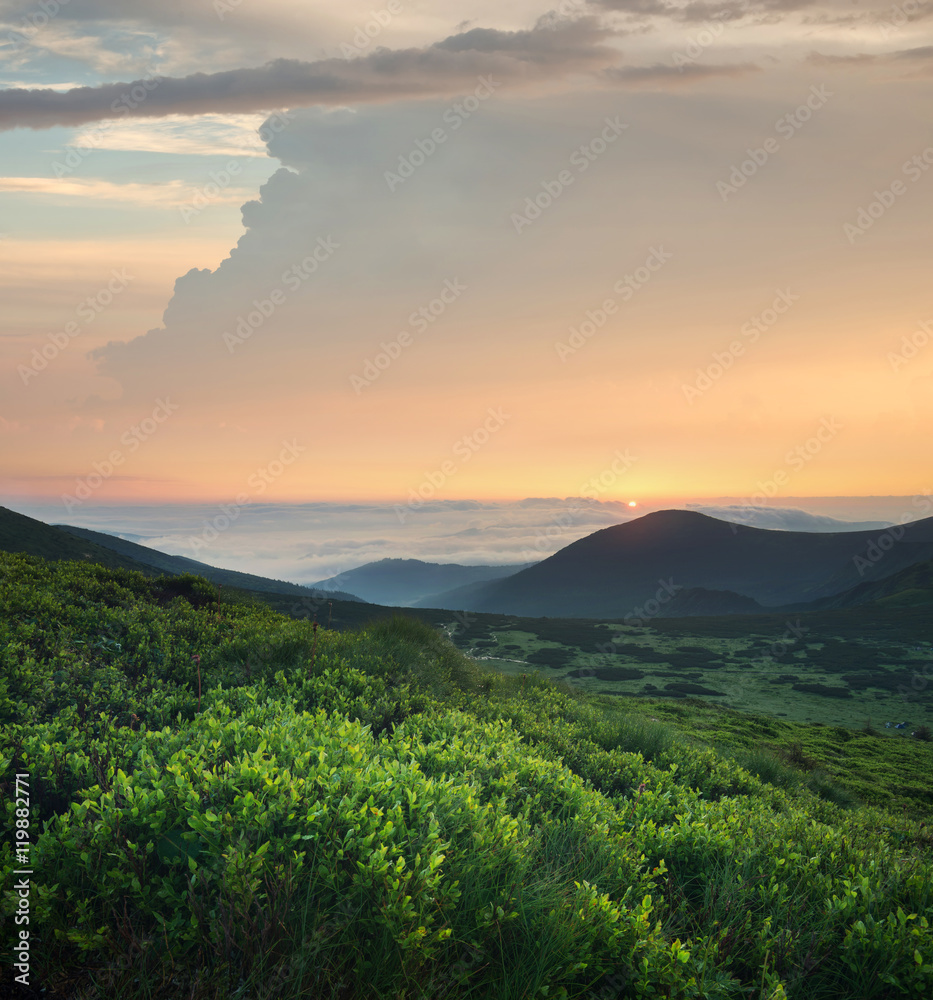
(671, 564)
(19, 533)
(674, 562)
(908, 588)
(911, 587)
(407, 582)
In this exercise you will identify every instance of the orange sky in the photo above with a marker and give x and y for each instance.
(543, 293)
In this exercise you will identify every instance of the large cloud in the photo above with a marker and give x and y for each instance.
(451, 218)
(784, 518)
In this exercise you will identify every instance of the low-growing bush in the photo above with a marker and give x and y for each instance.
(228, 805)
(824, 690)
(551, 656)
(608, 673)
(686, 687)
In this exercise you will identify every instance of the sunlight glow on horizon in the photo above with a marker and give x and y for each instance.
(687, 295)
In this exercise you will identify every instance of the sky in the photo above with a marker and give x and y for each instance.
(636, 251)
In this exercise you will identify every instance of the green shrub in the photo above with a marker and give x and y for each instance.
(824, 689)
(367, 814)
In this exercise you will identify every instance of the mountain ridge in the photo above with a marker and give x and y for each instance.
(613, 571)
(20, 533)
(405, 582)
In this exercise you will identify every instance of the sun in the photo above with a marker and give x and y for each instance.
(632, 503)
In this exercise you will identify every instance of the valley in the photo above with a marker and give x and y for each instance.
(809, 668)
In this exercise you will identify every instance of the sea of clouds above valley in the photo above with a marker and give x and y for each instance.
(304, 543)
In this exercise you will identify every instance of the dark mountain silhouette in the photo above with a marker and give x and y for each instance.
(909, 587)
(19, 533)
(637, 569)
(404, 582)
(694, 601)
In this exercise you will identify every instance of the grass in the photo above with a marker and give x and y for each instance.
(232, 805)
(820, 678)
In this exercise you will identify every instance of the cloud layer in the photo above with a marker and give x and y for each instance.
(303, 543)
(549, 50)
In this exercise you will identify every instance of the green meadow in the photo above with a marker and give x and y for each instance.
(228, 803)
(822, 669)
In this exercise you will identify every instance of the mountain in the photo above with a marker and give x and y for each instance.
(910, 587)
(694, 601)
(19, 533)
(639, 568)
(406, 582)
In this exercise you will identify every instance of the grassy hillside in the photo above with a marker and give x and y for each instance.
(910, 587)
(226, 803)
(726, 667)
(180, 564)
(19, 533)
